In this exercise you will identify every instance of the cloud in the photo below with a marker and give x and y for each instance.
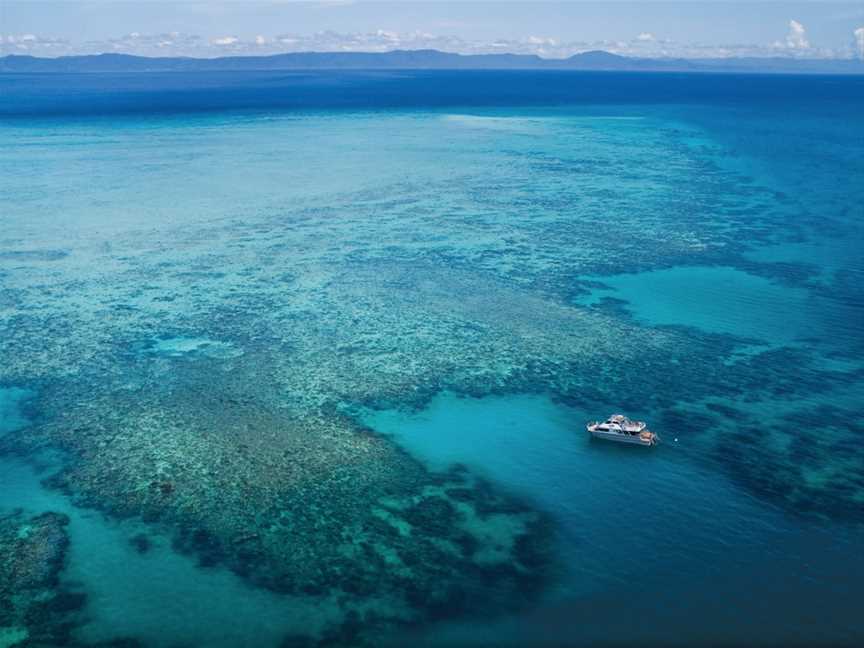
(388, 36)
(161, 44)
(797, 36)
(643, 45)
(33, 44)
(540, 40)
(858, 42)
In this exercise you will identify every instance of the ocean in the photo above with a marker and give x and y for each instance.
(305, 359)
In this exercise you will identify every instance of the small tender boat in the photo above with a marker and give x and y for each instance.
(620, 428)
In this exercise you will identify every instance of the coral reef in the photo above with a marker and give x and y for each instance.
(201, 370)
(338, 513)
(33, 610)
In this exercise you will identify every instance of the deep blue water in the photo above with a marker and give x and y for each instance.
(65, 94)
(214, 287)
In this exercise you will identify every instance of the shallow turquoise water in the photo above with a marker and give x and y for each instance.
(714, 299)
(11, 403)
(159, 596)
(637, 520)
(473, 283)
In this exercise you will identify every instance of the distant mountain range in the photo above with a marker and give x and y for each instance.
(422, 60)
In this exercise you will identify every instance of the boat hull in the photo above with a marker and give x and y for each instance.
(633, 439)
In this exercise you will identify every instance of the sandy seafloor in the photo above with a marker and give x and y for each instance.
(306, 375)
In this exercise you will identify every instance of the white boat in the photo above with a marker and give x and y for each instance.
(620, 428)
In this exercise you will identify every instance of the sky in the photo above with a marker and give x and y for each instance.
(691, 28)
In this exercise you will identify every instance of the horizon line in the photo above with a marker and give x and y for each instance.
(523, 55)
